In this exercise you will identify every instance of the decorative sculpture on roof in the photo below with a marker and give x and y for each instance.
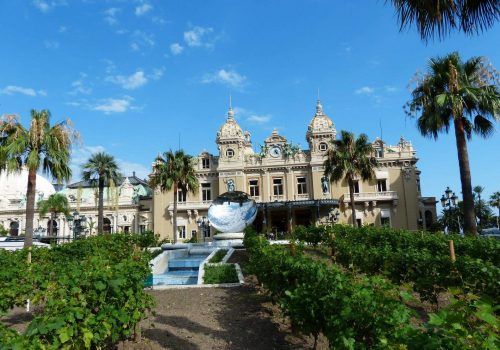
(135, 195)
(290, 150)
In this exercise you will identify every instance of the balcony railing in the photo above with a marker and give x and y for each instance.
(373, 196)
(302, 196)
(191, 205)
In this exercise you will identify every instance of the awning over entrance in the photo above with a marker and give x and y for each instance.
(299, 204)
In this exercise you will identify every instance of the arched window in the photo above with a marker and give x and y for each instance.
(52, 224)
(429, 220)
(106, 225)
(14, 228)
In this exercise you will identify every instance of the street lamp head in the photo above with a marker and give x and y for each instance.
(454, 199)
(448, 192)
(443, 200)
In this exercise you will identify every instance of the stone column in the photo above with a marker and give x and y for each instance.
(115, 223)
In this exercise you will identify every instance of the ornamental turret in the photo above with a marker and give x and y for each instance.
(231, 140)
(320, 131)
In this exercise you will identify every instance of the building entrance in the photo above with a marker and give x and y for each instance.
(303, 217)
(278, 221)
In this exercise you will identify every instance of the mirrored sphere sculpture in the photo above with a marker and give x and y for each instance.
(232, 212)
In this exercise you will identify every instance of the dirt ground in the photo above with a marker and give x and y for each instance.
(209, 318)
(218, 318)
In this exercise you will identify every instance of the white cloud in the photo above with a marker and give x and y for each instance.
(226, 77)
(80, 86)
(157, 73)
(258, 119)
(113, 105)
(51, 44)
(176, 49)
(250, 116)
(196, 37)
(131, 82)
(110, 15)
(365, 90)
(143, 9)
(62, 29)
(13, 89)
(46, 6)
(141, 39)
(390, 88)
(158, 20)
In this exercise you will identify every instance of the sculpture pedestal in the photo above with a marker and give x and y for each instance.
(229, 239)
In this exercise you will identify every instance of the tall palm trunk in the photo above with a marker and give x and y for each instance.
(465, 177)
(351, 195)
(100, 208)
(175, 213)
(30, 208)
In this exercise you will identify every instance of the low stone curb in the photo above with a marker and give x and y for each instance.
(220, 285)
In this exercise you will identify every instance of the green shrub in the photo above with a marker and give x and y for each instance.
(363, 312)
(218, 256)
(224, 273)
(91, 291)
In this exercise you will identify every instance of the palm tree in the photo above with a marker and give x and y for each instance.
(495, 203)
(41, 147)
(55, 204)
(101, 169)
(350, 157)
(441, 16)
(174, 171)
(463, 94)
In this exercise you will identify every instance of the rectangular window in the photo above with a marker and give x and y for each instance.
(206, 192)
(182, 231)
(181, 197)
(379, 153)
(418, 186)
(253, 188)
(278, 186)
(205, 163)
(382, 185)
(193, 233)
(356, 186)
(301, 185)
(359, 222)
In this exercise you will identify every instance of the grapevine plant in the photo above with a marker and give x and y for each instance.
(88, 293)
(363, 311)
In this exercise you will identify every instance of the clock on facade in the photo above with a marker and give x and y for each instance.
(275, 151)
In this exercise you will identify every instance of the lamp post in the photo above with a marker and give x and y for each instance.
(75, 222)
(450, 200)
(203, 224)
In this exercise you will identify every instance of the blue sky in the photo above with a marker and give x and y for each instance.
(134, 76)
